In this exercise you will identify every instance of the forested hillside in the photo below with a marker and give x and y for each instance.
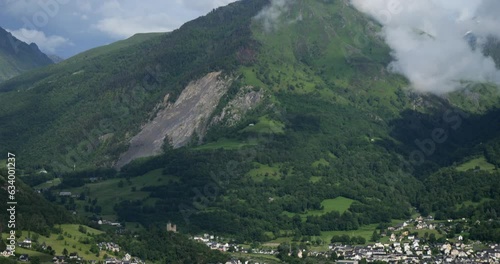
(33, 212)
(336, 142)
(68, 108)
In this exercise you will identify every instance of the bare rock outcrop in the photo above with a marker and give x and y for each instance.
(245, 100)
(190, 114)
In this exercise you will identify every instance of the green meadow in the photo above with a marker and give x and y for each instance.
(71, 239)
(262, 172)
(339, 204)
(48, 184)
(110, 192)
(265, 126)
(227, 144)
(477, 162)
(319, 162)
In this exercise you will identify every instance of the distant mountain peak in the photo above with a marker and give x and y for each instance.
(17, 57)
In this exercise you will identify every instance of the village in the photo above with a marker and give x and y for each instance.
(73, 257)
(400, 243)
(403, 246)
(396, 252)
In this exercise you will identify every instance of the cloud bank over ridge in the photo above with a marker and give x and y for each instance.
(433, 40)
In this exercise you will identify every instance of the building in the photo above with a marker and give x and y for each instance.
(24, 258)
(347, 262)
(171, 227)
(26, 243)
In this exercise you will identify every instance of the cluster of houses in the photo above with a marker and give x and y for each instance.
(396, 252)
(74, 258)
(406, 248)
(127, 259)
(416, 253)
(107, 222)
(210, 241)
(26, 243)
(418, 223)
(109, 246)
(402, 247)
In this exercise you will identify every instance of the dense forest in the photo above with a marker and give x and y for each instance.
(34, 212)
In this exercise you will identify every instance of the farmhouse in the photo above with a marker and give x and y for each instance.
(24, 258)
(73, 255)
(26, 243)
(58, 259)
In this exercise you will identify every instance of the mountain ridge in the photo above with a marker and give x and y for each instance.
(332, 121)
(17, 57)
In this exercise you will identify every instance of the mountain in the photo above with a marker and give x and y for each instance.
(17, 57)
(55, 58)
(256, 121)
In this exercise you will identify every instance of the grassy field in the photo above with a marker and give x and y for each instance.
(109, 193)
(250, 77)
(321, 161)
(481, 162)
(265, 126)
(339, 204)
(48, 184)
(474, 204)
(315, 179)
(263, 171)
(44, 258)
(72, 241)
(226, 144)
(364, 231)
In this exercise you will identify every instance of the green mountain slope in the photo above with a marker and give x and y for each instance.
(112, 94)
(307, 115)
(33, 212)
(17, 57)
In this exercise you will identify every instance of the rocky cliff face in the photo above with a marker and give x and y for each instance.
(246, 99)
(188, 116)
(17, 57)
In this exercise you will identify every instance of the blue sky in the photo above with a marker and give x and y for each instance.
(68, 27)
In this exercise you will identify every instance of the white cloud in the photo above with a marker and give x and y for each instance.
(121, 19)
(270, 15)
(123, 27)
(48, 44)
(428, 43)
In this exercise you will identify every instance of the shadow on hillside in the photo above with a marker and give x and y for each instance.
(430, 141)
